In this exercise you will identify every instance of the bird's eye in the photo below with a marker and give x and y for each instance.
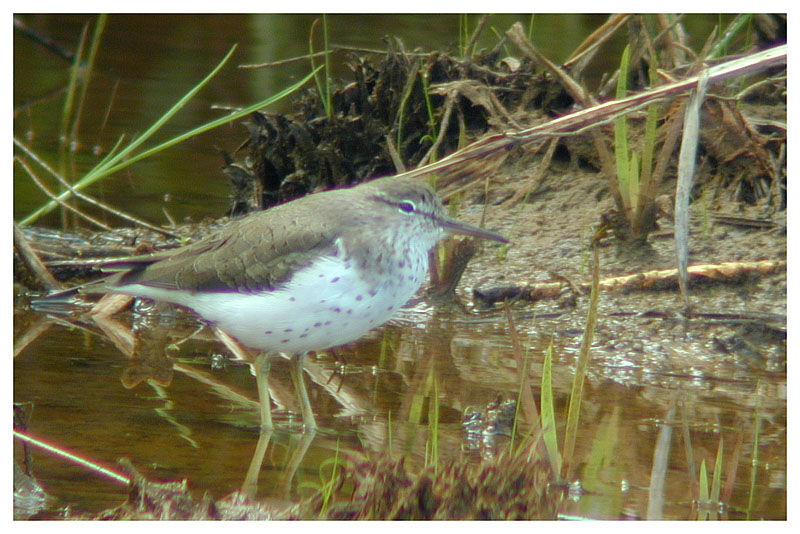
(406, 206)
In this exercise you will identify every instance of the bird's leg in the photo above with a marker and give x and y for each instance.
(300, 387)
(120, 335)
(294, 461)
(261, 367)
(250, 484)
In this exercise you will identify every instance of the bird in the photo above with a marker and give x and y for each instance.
(311, 274)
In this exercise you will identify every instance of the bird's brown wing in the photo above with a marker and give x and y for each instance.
(260, 251)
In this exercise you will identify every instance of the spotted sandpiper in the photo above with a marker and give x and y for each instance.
(311, 274)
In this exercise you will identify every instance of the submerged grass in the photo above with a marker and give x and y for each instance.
(331, 482)
(755, 458)
(716, 480)
(600, 475)
(709, 505)
(432, 447)
(524, 382)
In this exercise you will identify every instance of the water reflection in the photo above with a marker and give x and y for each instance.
(373, 399)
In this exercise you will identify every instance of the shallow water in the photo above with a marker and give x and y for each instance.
(203, 425)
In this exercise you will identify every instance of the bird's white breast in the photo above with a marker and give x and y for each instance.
(324, 305)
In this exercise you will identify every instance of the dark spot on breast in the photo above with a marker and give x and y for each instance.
(303, 335)
(317, 325)
(360, 297)
(334, 280)
(285, 340)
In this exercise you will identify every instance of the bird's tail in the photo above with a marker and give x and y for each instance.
(66, 300)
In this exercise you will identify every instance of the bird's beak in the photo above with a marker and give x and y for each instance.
(460, 228)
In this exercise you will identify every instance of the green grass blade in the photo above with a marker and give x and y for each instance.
(633, 184)
(702, 514)
(311, 54)
(530, 28)
(703, 481)
(650, 127)
(716, 480)
(754, 462)
(102, 170)
(734, 28)
(211, 125)
(548, 412)
(524, 382)
(327, 102)
(576, 394)
(110, 154)
(716, 485)
(463, 34)
(156, 126)
(329, 483)
(87, 71)
(423, 76)
(323, 89)
(433, 423)
(115, 163)
(72, 84)
(621, 149)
